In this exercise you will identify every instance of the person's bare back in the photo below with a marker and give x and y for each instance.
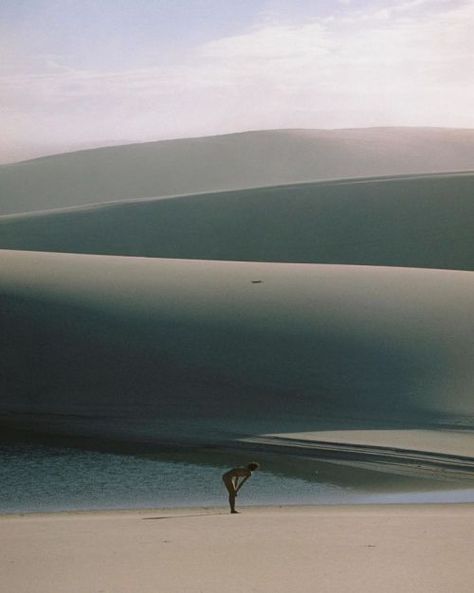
(235, 478)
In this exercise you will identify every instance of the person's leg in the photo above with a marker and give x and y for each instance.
(229, 484)
(232, 502)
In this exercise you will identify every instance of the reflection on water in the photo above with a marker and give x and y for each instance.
(36, 477)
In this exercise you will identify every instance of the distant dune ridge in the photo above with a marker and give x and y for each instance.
(236, 311)
(233, 161)
(414, 221)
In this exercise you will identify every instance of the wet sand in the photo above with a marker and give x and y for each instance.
(425, 548)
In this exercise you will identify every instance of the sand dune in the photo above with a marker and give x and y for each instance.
(143, 348)
(412, 221)
(226, 162)
(240, 314)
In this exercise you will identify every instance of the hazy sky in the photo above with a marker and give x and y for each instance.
(78, 72)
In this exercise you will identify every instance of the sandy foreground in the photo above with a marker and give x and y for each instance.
(424, 548)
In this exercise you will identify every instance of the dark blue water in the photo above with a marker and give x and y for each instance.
(36, 477)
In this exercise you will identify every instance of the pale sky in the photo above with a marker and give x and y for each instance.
(76, 73)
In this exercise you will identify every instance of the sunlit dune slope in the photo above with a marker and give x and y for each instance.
(227, 162)
(232, 348)
(417, 221)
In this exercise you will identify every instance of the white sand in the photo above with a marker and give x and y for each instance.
(458, 443)
(390, 549)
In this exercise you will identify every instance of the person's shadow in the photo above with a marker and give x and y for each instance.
(182, 516)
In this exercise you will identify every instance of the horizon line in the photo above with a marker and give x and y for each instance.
(110, 144)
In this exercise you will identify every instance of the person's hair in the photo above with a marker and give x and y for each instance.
(253, 465)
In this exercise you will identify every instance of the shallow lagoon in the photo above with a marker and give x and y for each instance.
(37, 477)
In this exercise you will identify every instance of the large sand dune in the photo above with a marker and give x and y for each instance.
(240, 315)
(162, 349)
(232, 161)
(414, 221)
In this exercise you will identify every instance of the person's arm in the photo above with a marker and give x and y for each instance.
(242, 483)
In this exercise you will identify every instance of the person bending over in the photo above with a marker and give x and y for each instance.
(235, 478)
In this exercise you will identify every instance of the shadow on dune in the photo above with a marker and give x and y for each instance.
(422, 221)
(150, 349)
